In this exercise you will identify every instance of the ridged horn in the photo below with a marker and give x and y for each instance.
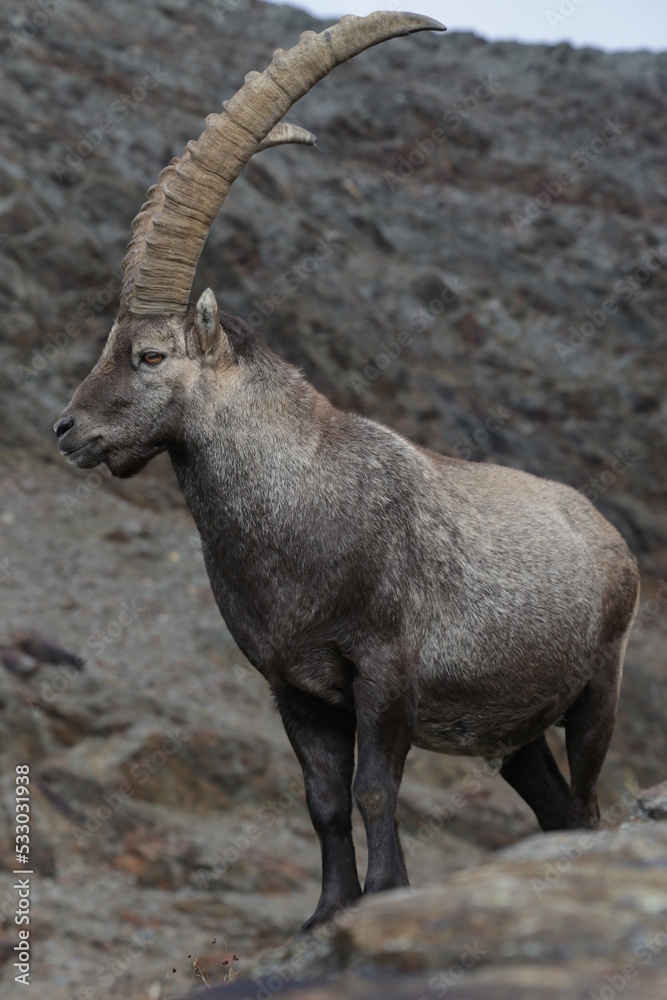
(169, 232)
(284, 133)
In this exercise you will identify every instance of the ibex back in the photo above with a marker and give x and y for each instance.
(385, 592)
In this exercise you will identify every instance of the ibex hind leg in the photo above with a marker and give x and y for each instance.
(533, 773)
(589, 724)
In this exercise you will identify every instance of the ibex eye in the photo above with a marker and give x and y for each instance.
(152, 357)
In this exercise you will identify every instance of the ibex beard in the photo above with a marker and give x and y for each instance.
(387, 594)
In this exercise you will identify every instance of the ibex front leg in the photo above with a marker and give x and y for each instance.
(323, 740)
(386, 715)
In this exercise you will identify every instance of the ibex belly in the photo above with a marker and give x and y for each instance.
(495, 673)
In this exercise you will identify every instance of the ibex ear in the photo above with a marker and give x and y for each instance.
(206, 321)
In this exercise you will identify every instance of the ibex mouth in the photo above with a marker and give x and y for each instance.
(81, 455)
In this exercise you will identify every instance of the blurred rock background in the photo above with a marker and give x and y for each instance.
(529, 308)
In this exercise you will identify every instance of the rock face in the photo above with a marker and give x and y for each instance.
(433, 267)
(559, 916)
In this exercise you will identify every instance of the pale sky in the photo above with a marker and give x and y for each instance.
(606, 24)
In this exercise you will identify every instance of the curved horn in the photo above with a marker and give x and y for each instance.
(284, 133)
(169, 232)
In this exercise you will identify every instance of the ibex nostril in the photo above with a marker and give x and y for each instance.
(63, 425)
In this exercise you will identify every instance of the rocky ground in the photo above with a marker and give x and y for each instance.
(557, 916)
(169, 823)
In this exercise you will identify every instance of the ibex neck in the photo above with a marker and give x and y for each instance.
(244, 470)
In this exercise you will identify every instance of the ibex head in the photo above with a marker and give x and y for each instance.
(162, 353)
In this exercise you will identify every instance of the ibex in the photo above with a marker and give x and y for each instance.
(385, 592)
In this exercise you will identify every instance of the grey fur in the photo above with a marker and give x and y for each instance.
(379, 587)
(389, 595)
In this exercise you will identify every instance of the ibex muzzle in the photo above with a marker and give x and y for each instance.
(388, 594)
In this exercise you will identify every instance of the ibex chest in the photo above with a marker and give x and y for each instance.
(284, 625)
